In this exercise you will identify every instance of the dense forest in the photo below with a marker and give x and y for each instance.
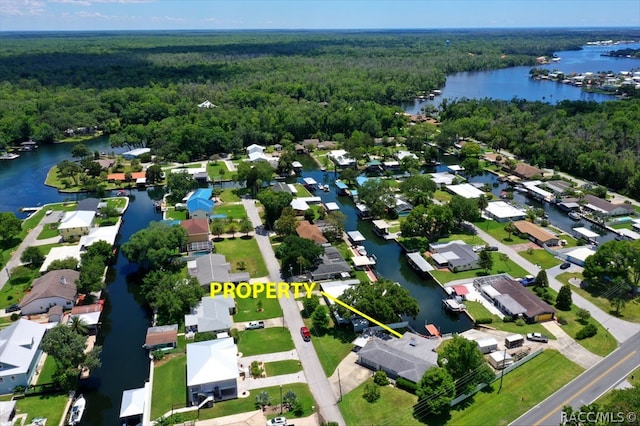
(143, 88)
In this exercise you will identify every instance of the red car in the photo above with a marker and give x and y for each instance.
(304, 331)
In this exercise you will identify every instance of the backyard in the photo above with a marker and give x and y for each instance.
(245, 250)
(50, 407)
(496, 230)
(331, 346)
(264, 341)
(247, 309)
(478, 311)
(499, 267)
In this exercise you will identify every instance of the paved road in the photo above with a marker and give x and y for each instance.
(619, 329)
(316, 379)
(587, 387)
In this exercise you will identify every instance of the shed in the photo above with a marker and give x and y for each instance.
(500, 360)
(487, 345)
(514, 341)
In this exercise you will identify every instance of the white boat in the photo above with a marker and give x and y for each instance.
(574, 215)
(77, 410)
(361, 250)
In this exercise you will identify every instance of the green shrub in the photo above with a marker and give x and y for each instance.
(407, 385)
(15, 316)
(371, 392)
(235, 334)
(588, 330)
(484, 320)
(520, 322)
(507, 318)
(201, 337)
(157, 355)
(380, 378)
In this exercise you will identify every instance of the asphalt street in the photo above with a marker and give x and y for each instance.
(587, 387)
(316, 379)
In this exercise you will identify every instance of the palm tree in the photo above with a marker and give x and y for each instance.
(217, 227)
(246, 226)
(78, 325)
(483, 203)
(232, 228)
(510, 228)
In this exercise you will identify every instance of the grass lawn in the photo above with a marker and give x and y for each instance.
(233, 211)
(496, 230)
(169, 385)
(631, 311)
(477, 310)
(247, 309)
(242, 405)
(331, 346)
(395, 406)
(50, 407)
(603, 343)
(213, 170)
(442, 196)
(172, 213)
(302, 191)
(278, 368)
(46, 374)
(50, 230)
(17, 286)
(470, 239)
(231, 195)
(499, 267)
(245, 250)
(522, 389)
(264, 341)
(540, 257)
(116, 202)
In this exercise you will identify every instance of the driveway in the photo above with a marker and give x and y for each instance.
(569, 347)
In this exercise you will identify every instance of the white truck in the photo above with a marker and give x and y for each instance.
(254, 325)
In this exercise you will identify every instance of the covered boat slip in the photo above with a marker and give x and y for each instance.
(419, 263)
(133, 404)
(356, 236)
(586, 234)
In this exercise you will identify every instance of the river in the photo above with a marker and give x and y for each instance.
(125, 364)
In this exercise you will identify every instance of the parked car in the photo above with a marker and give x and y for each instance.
(491, 248)
(528, 280)
(48, 212)
(277, 421)
(12, 308)
(565, 265)
(253, 325)
(304, 331)
(537, 337)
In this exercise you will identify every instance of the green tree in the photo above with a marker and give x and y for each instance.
(66, 263)
(320, 319)
(309, 304)
(171, 296)
(617, 303)
(418, 189)
(435, 391)
(485, 261)
(33, 256)
(273, 203)
(380, 378)
(67, 348)
(472, 167)
(334, 223)
(154, 174)
(465, 363)
(217, 227)
(287, 223)
(377, 195)
(483, 203)
(289, 399)
(10, 227)
(232, 228)
(383, 300)
(432, 222)
(245, 226)
(464, 209)
(156, 246)
(583, 315)
(80, 151)
(541, 279)
(510, 228)
(563, 299)
(371, 392)
(309, 215)
(616, 264)
(349, 175)
(179, 184)
(263, 399)
(78, 325)
(293, 247)
(91, 272)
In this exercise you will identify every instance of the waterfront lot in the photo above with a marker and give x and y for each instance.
(331, 346)
(264, 341)
(499, 267)
(496, 230)
(50, 407)
(478, 311)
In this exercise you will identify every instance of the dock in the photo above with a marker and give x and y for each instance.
(432, 330)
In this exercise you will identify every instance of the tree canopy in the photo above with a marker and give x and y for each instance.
(376, 194)
(615, 267)
(463, 360)
(274, 202)
(435, 391)
(156, 246)
(293, 248)
(10, 226)
(171, 296)
(383, 300)
(433, 222)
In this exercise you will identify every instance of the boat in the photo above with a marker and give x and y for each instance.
(432, 330)
(77, 410)
(361, 250)
(574, 215)
(8, 156)
(453, 305)
(321, 187)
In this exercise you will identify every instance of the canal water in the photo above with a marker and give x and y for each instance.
(510, 83)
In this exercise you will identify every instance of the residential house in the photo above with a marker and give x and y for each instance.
(558, 187)
(89, 204)
(200, 204)
(112, 177)
(198, 236)
(331, 266)
(302, 204)
(527, 171)
(402, 207)
(61, 253)
(503, 212)
(311, 232)
(455, 255)
(7, 412)
(214, 268)
(212, 314)
(19, 353)
(105, 163)
(408, 357)
(76, 224)
(255, 148)
(107, 234)
(514, 299)
(163, 337)
(300, 149)
(442, 179)
(53, 288)
(135, 153)
(579, 255)
(212, 370)
(341, 159)
(537, 234)
(465, 190)
(607, 208)
(284, 187)
(401, 155)
(207, 104)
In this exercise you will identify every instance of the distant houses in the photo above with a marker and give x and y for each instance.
(607, 208)
(135, 153)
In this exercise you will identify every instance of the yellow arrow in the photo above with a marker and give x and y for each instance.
(352, 309)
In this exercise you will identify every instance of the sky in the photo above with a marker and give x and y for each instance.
(77, 15)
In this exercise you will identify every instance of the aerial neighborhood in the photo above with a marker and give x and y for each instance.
(459, 264)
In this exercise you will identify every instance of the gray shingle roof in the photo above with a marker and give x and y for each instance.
(59, 283)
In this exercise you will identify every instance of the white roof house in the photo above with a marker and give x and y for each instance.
(579, 255)
(465, 190)
(628, 234)
(133, 402)
(501, 211)
(207, 104)
(212, 369)
(77, 219)
(340, 157)
(107, 234)
(19, 353)
(586, 233)
(255, 148)
(404, 154)
(134, 153)
(442, 178)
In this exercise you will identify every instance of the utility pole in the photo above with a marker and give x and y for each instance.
(503, 367)
(339, 386)
(281, 402)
